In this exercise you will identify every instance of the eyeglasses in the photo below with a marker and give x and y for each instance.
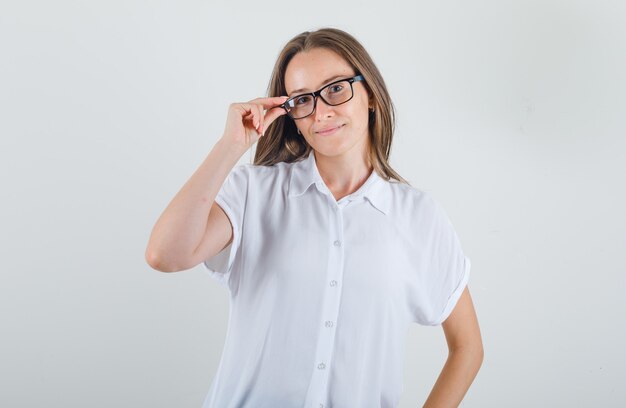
(333, 94)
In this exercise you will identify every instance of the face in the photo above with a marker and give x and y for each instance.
(330, 130)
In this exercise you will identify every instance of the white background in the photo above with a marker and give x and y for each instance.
(511, 113)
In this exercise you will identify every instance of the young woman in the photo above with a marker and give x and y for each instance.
(327, 253)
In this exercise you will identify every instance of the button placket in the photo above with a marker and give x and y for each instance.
(330, 307)
(336, 272)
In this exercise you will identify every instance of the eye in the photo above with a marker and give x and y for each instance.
(335, 88)
(302, 100)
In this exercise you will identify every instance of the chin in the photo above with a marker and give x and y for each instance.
(331, 150)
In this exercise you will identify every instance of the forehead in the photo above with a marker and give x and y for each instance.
(310, 70)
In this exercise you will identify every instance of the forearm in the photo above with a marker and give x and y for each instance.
(457, 375)
(183, 223)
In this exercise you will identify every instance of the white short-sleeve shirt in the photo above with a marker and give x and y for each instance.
(322, 291)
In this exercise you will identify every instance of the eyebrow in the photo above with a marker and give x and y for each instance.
(326, 82)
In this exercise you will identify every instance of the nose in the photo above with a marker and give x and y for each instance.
(322, 109)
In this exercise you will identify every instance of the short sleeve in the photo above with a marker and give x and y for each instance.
(443, 269)
(231, 198)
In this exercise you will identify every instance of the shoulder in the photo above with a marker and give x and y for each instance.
(258, 171)
(259, 177)
(419, 213)
(408, 200)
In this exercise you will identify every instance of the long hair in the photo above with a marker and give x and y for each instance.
(282, 143)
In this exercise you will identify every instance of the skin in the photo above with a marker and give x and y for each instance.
(180, 241)
(341, 157)
(342, 162)
(465, 355)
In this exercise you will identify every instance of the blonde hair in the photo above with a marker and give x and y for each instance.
(282, 143)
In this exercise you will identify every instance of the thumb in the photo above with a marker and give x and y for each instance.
(271, 115)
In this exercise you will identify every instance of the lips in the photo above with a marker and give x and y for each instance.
(328, 130)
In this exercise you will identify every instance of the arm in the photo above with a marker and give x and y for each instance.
(465, 355)
(193, 219)
(193, 227)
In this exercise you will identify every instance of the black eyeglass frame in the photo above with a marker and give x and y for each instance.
(317, 93)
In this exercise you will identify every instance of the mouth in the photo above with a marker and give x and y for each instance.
(329, 131)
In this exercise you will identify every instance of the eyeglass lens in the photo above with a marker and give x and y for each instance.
(333, 94)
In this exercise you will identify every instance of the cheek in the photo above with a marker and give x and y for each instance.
(361, 118)
(362, 111)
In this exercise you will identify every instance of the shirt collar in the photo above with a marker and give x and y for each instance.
(304, 173)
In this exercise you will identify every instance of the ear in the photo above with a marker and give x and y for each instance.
(371, 103)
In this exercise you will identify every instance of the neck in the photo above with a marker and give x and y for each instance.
(345, 173)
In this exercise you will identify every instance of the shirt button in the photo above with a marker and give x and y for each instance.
(333, 283)
(321, 366)
(321, 405)
(337, 243)
(329, 323)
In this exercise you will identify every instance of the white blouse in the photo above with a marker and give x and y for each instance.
(322, 291)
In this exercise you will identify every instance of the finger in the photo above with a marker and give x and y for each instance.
(261, 118)
(249, 121)
(259, 112)
(271, 116)
(250, 112)
(244, 109)
(270, 102)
